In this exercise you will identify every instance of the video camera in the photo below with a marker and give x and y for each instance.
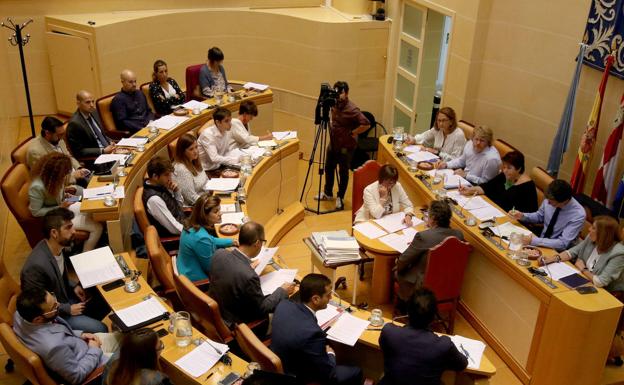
(327, 99)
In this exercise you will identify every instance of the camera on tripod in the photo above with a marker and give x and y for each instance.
(327, 99)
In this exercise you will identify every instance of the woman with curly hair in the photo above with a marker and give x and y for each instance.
(48, 190)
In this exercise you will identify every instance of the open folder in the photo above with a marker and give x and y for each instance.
(96, 267)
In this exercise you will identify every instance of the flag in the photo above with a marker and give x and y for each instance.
(562, 139)
(603, 190)
(618, 203)
(588, 139)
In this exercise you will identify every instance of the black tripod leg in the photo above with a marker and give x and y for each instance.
(310, 162)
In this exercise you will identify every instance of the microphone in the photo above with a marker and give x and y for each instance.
(348, 308)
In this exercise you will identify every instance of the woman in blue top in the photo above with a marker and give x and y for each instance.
(199, 239)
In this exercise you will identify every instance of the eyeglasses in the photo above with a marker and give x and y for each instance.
(54, 308)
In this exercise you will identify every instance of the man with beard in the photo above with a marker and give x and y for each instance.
(45, 269)
(347, 122)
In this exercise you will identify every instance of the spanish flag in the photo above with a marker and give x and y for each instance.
(586, 147)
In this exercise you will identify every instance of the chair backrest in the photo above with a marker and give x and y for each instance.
(446, 263)
(541, 179)
(373, 124)
(103, 106)
(9, 289)
(503, 147)
(192, 82)
(362, 177)
(145, 89)
(258, 352)
(204, 310)
(159, 258)
(14, 185)
(18, 155)
(27, 362)
(139, 210)
(467, 127)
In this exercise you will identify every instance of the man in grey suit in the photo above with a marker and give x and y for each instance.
(85, 132)
(235, 285)
(70, 355)
(45, 269)
(410, 266)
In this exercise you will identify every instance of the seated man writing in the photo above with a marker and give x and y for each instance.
(235, 285)
(214, 142)
(69, 354)
(241, 132)
(162, 198)
(562, 216)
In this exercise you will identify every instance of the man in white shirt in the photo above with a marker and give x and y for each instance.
(214, 142)
(162, 198)
(241, 132)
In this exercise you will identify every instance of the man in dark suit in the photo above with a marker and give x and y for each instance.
(85, 132)
(301, 344)
(413, 354)
(410, 266)
(235, 285)
(129, 107)
(45, 268)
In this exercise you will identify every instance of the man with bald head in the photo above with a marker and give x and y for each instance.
(85, 133)
(129, 107)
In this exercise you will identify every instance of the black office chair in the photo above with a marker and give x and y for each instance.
(367, 145)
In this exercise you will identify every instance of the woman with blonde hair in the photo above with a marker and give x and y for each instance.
(163, 90)
(444, 138)
(188, 173)
(49, 189)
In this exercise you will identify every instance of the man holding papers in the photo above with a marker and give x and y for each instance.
(236, 286)
(241, 132)
(410, 266)
(301, 344)
(214, 142)
(45, 269)
(69, 354)
(162, 198)
(413, 354)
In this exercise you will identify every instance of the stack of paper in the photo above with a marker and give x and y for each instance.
(559, 270)
(454, 181)
(267, 143)
(412, 148)
(192, 104)
(271, 281)
(202, 358)
(336, 246)
(507, 228)
(347, 329)
(399, 242)
(105, 158)
(228, 207)
(472, 349)
(168, 122)
(265, 256)
(96, 267)
(253, 151)
(255, 86)
(329, 314)
(487, 212)
(284, 135)
(423, 156)
(369, 230)
(96, 193)
(132, 142)
(141, 312)
(222, 184)
(392, 222)
(235, 218)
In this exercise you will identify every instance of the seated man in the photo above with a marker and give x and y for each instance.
(413, 354)
(214, 142)
(301, 344)
(69, 354)
(563, 218)
(85, 132)
(45, 269)
(235, 285)
(129, 107)
(480, 161)
(162, 198)
(410, 265)
(241, 133)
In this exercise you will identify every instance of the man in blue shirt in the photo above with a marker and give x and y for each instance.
(563, 218)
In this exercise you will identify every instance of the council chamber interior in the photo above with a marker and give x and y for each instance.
(497, 63)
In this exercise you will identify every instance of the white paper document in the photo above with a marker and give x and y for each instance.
(105, 158)
(228, 207)
(236, 218)
(398, 242)
(222, 184)
(559, 270)
(118, 193)
(472, 349)
(505, 230)
(253, 151)
(443, 173)
(255, 86)
(283, 135)
(392, 222)
(488, 212)
(141, 312)
(265, 256)
(202, 358)
(168, 122)
(423, 156)
(94, 192)
(131, 142)
(410, 232)
(267, 143)
(192, 104)
(347, 329)
(327, 314)
(369, 230)
(412, 148)
(96, 267)
(454, 181)
(271, 281)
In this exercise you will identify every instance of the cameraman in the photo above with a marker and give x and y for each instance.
(347, 121)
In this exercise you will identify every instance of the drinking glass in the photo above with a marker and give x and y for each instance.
(182, 328)
(376, 318)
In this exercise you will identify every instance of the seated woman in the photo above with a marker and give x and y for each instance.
(511, 189)
(212, 75)
(444, 138)
(600, 256)
(188, 174)
(199, 238)
(137, 360)
(386, 196)
(164, 90)
(48, 191)
(480, 161)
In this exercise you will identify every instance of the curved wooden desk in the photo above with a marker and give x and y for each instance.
(276, 175)
(546, 336)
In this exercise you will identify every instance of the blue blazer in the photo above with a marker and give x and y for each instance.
(300, 344)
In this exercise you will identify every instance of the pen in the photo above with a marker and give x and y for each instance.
(466, 353)
(157, 326)
(209, 375)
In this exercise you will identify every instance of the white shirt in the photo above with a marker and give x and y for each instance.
(372, 207)
(60, 262)
(214, 148)
(169, 92)
(450, 147)
(241, 138)
(191, 186)
(159, 210)
(480, 167)
(591, 264)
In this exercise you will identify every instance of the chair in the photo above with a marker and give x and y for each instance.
(145, 89)
(160, 261)
(367, 145)
(9, 290)
(444, 275)
(192, 83)
(103, 107)
(140, 214)
(18, 155)
(503, 147)
(362, 177)
(256, 351)
(467, 127)
(541, 179)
